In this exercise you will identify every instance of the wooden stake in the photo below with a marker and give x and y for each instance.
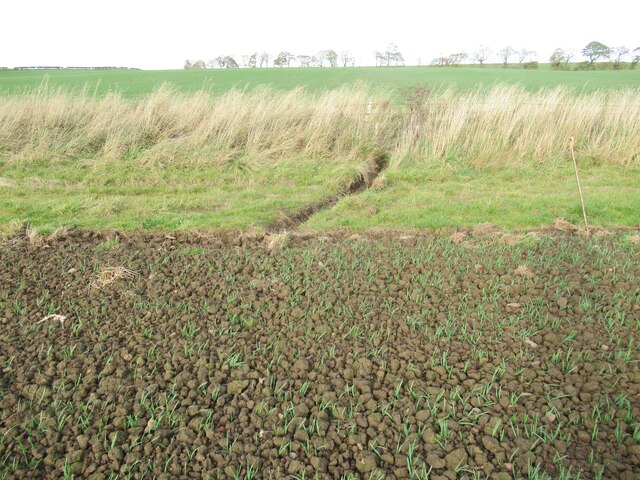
(575, 166)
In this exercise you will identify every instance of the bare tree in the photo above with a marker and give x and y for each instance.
(188, 64)
(332, 58)
(505, 54)
(264, 59)
(304, 60)
(635, 58)
(199, 65)
(481, 55)
(618, 54)
(320, 57)
(380, 58)
(524, 54)
(392, 54)
(568, 56)
(211, 63)
(253, 60)
(346, 58)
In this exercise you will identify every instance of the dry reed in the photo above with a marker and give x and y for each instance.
(483, 127)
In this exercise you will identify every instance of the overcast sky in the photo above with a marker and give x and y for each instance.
(162, 34)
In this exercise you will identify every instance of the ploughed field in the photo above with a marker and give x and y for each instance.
(389, 356)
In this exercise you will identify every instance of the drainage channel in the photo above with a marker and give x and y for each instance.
(293, 219)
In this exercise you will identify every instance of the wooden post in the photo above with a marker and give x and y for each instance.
(575, 166)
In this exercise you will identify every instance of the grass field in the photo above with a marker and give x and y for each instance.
(397, 79)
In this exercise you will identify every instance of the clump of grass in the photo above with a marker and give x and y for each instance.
(523, 271)
(109, 275)
(277, 241)
(34, 238)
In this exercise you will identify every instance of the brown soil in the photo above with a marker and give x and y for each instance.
(333, 356)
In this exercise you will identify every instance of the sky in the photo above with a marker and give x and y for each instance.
(162, 34)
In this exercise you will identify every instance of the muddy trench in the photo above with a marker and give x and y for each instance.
(363, 181)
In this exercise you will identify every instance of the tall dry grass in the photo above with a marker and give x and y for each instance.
(509, 124)
(168, 126)
(502, 124)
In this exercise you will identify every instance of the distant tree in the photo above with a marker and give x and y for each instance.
(332, 58)
(346, 58)
(595, 51)
(635, 58)
(265, 57)
(505, 54)
(199, 64)
(230, 62)
(618, 54)
(220, 61)
(390, 56)
(380, 58)
(393, 55)
(320, 58)
(211, 63)
(440, 62)
(283, 59)
(457, 58)
(481, 55)
(252, 60)
(304, 60)
(568, 56)
(558, 59)
(524, 54)
(188, 64)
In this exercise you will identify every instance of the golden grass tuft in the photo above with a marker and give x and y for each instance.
(278, 241)
(523, 271)
(562, 225)
(33, 236)
(107, 276)
(458, 237)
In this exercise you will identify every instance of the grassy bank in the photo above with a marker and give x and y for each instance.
(176, 160)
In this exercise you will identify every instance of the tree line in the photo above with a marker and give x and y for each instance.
(329, 58)
(597, 55)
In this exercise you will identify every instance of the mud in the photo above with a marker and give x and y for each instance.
(175, 356)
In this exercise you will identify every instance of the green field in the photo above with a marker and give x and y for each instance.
(133, 83)
(174, 158)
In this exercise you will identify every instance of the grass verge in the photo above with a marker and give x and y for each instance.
(516, 199)
(175, 161)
